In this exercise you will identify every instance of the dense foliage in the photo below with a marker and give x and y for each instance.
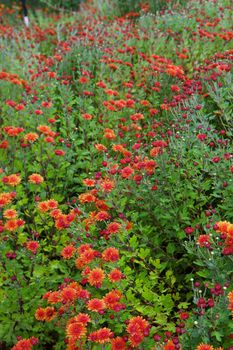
(116, 221)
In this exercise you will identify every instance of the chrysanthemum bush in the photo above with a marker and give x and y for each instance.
(116, 181)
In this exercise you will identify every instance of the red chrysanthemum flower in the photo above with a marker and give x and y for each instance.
(68, 252)
(32, 246)
(115, 275)
(203, 241)
(126, 172)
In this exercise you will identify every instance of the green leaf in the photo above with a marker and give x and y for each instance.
(133, 242)
(217, 335)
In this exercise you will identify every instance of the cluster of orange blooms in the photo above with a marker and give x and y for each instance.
(207, 347)
(15, 179)
(25, 344)
(230, 298)
(63, 301)
(6, 198)
(226, 230)
(61, 220)
(12, 223)
(13, 78)
(12, 180)
(13, 131)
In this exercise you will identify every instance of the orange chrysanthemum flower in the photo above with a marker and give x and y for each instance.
(102, 216)
(85, 258)
(155, 151)
(101, 205)
(204, 347)
(170, 345)
(40, 314)
(109, 134)
(10, 214)
(36, 179)
(83, 247)
(96, 277)
(25, 344)
(5, 198)
(55, 213)
(89, 182)
(54, 298)
(137, 324)
(4, 144)
(43, 206)
(107, 185)
(82, 318)
(52, 204)
(113, 227)
(50, 313)
(76, 330)
(96, 305)
(118, 344)
(101, 336)
(118, 148)
(100, 147)
(45, 129)
(86, 198)
(68, 252)
(222, 226)
(111, 254)
(230, 296)
(112, 298)
(11, 225)
(31, 137)
(75, 286)
(68, 295)
(136, 338)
